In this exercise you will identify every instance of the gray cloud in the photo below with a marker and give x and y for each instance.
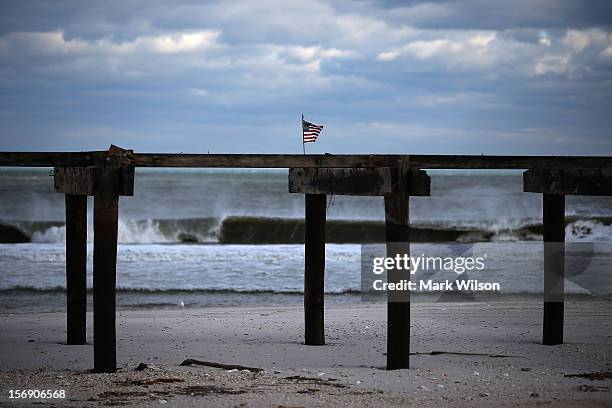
(435, 77)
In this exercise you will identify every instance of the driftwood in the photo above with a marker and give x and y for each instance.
(158, 381)
(599, 376)
(315, 381)
(191, 361)
(435, 353)
(593, 388)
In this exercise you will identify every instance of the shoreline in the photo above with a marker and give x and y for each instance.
(470, 336)
(54, 301)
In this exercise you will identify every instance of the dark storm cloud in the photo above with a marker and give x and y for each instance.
(438, 77)
(500, 15)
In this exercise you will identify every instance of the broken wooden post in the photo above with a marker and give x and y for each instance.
(112, 176)
(314, 270)
(554, 268)
(554, 184)
(76, 268)
(398, 238)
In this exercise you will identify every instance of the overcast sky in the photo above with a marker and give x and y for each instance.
(470, 76)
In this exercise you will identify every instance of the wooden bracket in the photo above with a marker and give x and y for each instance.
(83, 180)
(592, 182)
(356, 181)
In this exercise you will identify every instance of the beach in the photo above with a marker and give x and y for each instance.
(467, 354)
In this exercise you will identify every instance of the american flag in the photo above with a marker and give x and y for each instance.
(310, 131)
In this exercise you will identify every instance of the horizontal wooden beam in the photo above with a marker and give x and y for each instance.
(49, 159)
(508, 162)
(83, 159)
(357, 181)
(121, 156)
(568, 182)
(259, 160)
(384, 160)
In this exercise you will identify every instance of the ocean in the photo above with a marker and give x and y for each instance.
(191, 238)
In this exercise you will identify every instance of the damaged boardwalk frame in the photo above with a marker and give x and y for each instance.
(107, 175)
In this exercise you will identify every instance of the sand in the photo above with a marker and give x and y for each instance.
(348, 371)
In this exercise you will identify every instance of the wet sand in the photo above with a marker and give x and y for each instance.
(492, 356)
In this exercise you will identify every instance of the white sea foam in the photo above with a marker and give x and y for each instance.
(129, 232)
(587, 230)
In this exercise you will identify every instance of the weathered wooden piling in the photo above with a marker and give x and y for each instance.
(397, 227)
(554, 268)
(106, 212)
(398, 310)
(314, 270)
(76, 268)
(553, 184)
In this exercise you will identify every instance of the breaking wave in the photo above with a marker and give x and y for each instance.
(263, 230)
